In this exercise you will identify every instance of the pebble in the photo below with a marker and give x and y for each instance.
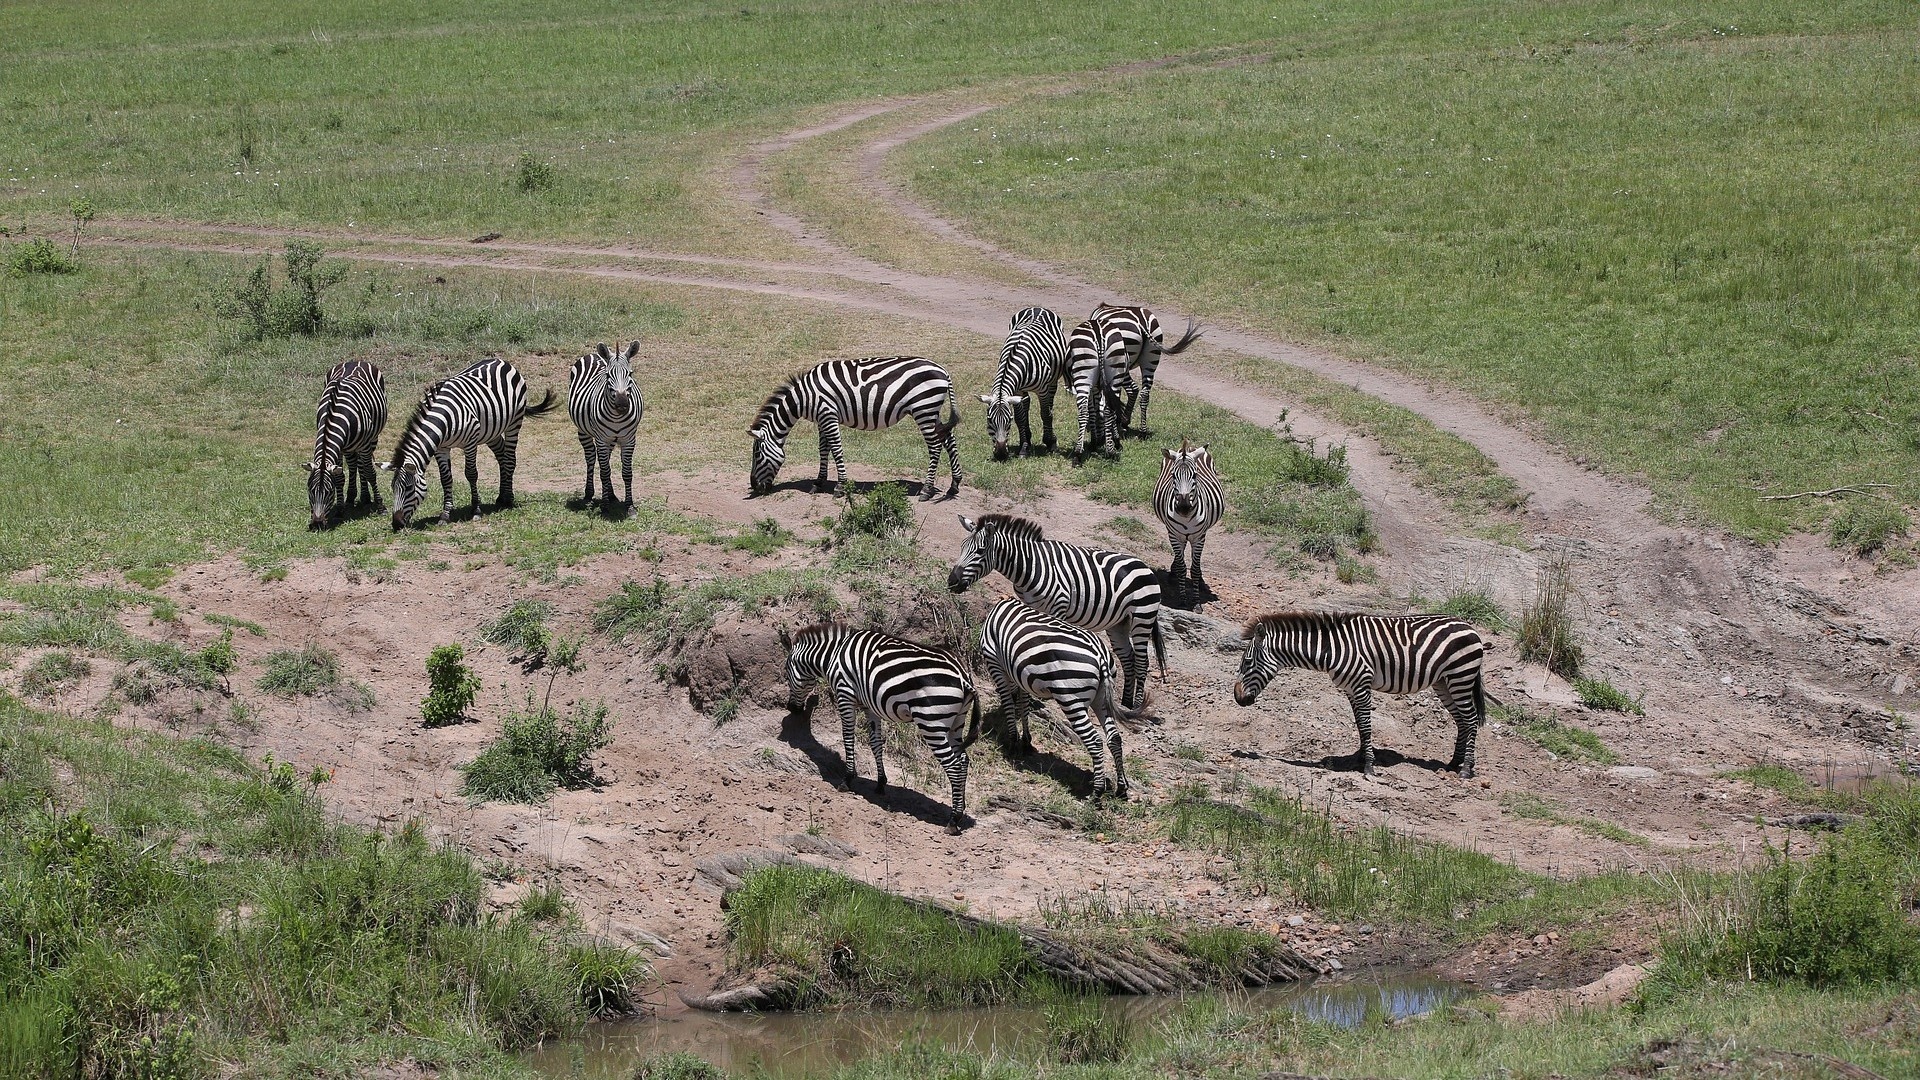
(1296, 920)
(1634, 772)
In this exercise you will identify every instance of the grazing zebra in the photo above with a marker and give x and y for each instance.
(1395, 654)
(866, 395)
(1140, 330)
(1035, 657)
(1096, 362)
(482, 405)
(1094, 590)
(347, 424)
(606, 408)
(1188, 501)
(1033, 360)
(886, 678)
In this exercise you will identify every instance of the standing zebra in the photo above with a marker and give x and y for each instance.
(1033, 359)
(1395, 654)
(1094, 590)
(347, 424)
(1188, 501)
(605, 408)
(866, 395)
(482, 405)
(1035, 657)
(1096, 361)
(1140, 330)
(886, 678)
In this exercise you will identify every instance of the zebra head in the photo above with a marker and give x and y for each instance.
(1000, 405)
(324, 481)
(409, 491)
(1181, 468)
(619, 376)
(987, 547)
(769, 452)
(1274, 642)
(807, 656)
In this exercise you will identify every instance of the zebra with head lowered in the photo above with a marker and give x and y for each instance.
(1394, 654)
(1032, 361)
(1188, 500)
(1145, 343)
(347, 424)
(1096, 362)
(606, 408)
(483, 405)
(1094, 590)
(866, 671)
(867, 395)
(1035, 657)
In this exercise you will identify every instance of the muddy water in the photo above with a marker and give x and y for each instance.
(789, 1045)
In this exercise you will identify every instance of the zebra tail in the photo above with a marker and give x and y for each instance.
(1159, 650)
(973, 724)
(953, 412)
(1481, 697)
(545, 404)
(1192, 335)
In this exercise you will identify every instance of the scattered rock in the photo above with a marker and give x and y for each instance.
(1634, 772)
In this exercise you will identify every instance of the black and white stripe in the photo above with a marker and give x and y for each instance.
(347, 424)
(1033, 360)
(1394, 654)
(1139, 330)
(605, 407)
(482, 406)
(1094, 590)
(1188, 500)
(884, 677)
(1096, 362)
(867, 395)
(1035, 657)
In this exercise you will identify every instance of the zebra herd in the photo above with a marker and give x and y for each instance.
(1080, 630)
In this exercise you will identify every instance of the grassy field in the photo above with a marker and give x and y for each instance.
(1681, 244)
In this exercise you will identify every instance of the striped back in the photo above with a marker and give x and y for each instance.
(1046, 656)
(483, 404)
(1188, 498)
(1395, 654)
(347, 423)
(1096, 373)
(602, 400)
(1090, 588)
(866, 394)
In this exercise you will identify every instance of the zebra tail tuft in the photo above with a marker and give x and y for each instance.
(1192, 335)
(953, 412)
(1159, 650)
(1481, 697)
(545, 404)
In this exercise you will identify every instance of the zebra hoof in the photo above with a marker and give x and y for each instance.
(953, 826)
(880, 786)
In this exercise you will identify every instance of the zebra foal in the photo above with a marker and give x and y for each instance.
(1036, 658)
(1092, 589)
(1188, 500)
(1394, 654)
(351, 414)
(1144, 343)
(1033, 360)
(605, 408)
(867, 395)
(885, 677)
(482, 406)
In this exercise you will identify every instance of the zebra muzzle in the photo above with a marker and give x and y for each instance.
(1240, 694)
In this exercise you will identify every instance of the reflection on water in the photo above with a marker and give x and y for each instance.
(804, 1044)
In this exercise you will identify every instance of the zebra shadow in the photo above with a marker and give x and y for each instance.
(796, 730)
(341, 514)
(1077, 780)
(610, 509)
(1182, 595)
(857, 487)
(1383, 758)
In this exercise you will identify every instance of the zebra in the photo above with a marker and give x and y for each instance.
(1395, 654)
(1034, 657)
(868, 394)
(886, 678)
(1096, 362)
(1094, 590)
(484, 404)
(347, 424)
(1033, 359)
(606, 409)
(1188, 501)
(1140, 330)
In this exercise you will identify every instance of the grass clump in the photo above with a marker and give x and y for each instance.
(847, 942)
(1795, 786)
(538, 753)
(666, 618)
(1865, 526)
(1597, 693)
(1562, 740)
(677, 1065)
(1546, 634)
(883, 513)
(763, 537)
(40, 256)
(294, 310)
(522, 629)
(53, 673)
(1533, 807)
(451, 687)
(1476, 606)
(301, 672)
(532, 174)
(1080, 1031)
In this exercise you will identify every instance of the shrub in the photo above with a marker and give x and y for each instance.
(883, 513)
(1475, 606)
(522, 629)
(1864, 526)
(765, 537)
(606, 977)
(451, 687)
(53, 673)
(545, 904)
(634, 609)
(1546, 627)
(1601, 694)
(536, 753)
(219, 658)
(270, 312)
(301, 672)
(677, 1065)
(532, 174)
(40, 256)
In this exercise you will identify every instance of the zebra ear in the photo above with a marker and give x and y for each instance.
(633, 350)
(786, 641)
(307, 465)
(1168, 453)
(986, 399)
(968, 523)
(383, 466)
(601, 348)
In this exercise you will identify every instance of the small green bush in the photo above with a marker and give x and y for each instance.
(1559, 739)
(536, 753)
(1864, 526)
(53, 673)
(268, 312)
(1546, 627)
(633, 609)
(301, 672)
(1601, 694)
(1303, 466)
(451, 687)
(40, 256)
(881, 514)
(765, 537)
(1476, 606)
(607, 979)
(545, 904)
(522, 629)
(219, 658)
(532, 174)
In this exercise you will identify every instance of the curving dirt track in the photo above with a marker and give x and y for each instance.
(1743, 653)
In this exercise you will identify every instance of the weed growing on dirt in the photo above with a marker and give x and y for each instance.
(301, 672)
(1556, 737)
(1795, 786)
(545, 904)
(763, 537)
(1864, 526)
(1476, 606)
(451, 687)
(522, 630)
(533, 174)
(53, 673)
(883, 513)
(537, 753)
(82, 618)
(667, 617)
(1598, 693)
(41, 256)
(1533, 807)
(1546, 634)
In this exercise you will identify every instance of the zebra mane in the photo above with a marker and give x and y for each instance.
(415, 421)
(1299, 620)
(329, 399)
(769, 413)
(1018, 528)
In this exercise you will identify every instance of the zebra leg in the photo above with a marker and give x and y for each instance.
(605, 452)
(1466, 724)
(843, 704)
(1046, 415)
(506, 454)
(1023, 416)
(626, 471)
(1013, 710)
(930, 431)
(1080, 405)
(953, 758)
(369, 482)
(1076, 711)
(1119, 759)
(1149, 363)
(446, 484)
(877, 740)
(1132, 654)
(1199, 580)
(830, 445)
(1361, 698)
(953, 462)
(1178, 570)
(586, 448)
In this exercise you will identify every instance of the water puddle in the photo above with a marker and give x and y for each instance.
(789, 1045)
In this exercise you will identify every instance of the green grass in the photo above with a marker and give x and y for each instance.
(1535, 808)
(301, 672)
(537, 754)
(1476, 606)
(666, 616)
(167, 909)
(81, 618)
(1795, 787)
(1598, 693)
(1628, 223)
(522, 630)
(1563, 740)
(53, 673)
(1864, 526)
